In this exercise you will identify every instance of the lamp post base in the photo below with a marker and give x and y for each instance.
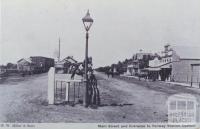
(85, 97)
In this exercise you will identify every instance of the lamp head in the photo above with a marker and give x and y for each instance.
(87, 21)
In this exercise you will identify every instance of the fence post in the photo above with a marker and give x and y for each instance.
(198, 112)
(67, 91)
(191, 75)
(51, 83)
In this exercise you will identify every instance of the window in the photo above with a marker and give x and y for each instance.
(190, 105)
(172, 105)
(181, 105)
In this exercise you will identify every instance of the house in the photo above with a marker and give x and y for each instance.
(176, 63)
(25, 65)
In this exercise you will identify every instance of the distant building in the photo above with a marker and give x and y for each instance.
(138, 63)
(25, 65)
(35, 64)
(161, 66)
(130, 69)
(2, 69)
(185, 66)
(42, 64)
(66, 65)
(177, 63)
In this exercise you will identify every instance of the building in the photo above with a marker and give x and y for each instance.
(25, 65)
(129, 70)
(35, 64)
(161, 66)
(177, 63)
(42, 64)
(139, 61)
(185, 66)
(66, 65)
(2, 69)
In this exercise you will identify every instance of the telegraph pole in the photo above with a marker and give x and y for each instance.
(59, 50)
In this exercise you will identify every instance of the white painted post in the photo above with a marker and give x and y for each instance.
(159, 78)
(67, 95)
(51, 83)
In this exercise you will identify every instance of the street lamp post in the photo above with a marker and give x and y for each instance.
(87, 21)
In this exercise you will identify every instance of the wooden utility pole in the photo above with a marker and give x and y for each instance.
(59, 50)
(191, 75)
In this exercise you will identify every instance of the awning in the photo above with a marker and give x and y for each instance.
(130, 66)
(195, 64)
(166, 66)
(153, 69)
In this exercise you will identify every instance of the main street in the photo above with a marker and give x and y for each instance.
(24, 99)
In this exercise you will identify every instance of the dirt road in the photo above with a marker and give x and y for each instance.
(25, 100)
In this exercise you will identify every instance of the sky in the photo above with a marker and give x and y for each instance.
(120, 29)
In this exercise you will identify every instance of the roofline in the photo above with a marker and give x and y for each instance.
(189, 59)
(149, 53)
(25, 60)
(20, 60)
(41, 57)
(70, 58)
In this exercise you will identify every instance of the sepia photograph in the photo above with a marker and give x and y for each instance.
(100, 61)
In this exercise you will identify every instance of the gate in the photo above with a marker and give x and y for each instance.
(68, 91)
(62, 89)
